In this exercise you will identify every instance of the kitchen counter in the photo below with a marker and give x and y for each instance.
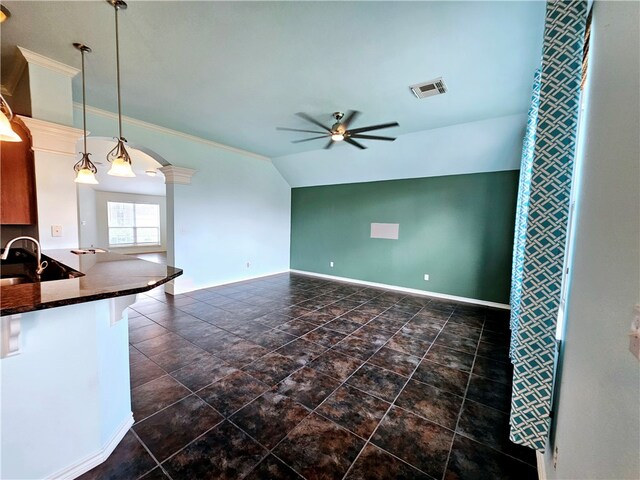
(105, 275)
(66, 397)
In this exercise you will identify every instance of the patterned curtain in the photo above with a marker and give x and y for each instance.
(541, 227)
(522, 214)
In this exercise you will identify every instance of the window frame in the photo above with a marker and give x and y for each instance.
(134, 227)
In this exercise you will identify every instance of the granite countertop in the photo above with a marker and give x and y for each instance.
(106, 275)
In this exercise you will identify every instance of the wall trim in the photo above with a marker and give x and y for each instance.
(542, 472)
(175, 291)
(177, 175)
(95, 459)
(46, 62)
(412, 291)
(51, 137)
(168, 131)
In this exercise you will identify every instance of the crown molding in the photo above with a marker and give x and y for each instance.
(168, 131)
(46, 62)
(177, 175)
(51, 137)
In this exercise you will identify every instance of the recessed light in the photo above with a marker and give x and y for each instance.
(151, 173)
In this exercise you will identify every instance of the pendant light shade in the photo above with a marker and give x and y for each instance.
(119, 157)
(6, 131)
(85, 169)
(120, 161)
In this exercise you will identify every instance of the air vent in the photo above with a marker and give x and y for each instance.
(429, 89)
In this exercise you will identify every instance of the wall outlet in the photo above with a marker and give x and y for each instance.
(555, 458)
(248, 264)
(331, 264)
(426, 277)
(56, 230)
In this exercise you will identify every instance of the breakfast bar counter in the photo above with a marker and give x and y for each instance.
(100, 276)
(65, 400)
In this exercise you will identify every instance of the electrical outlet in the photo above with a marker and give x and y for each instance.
(555, 458)
(426, 277)
(248, 264)
(331, 264)
(56, 230)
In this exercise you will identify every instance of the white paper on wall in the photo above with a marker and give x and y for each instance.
(389, 231)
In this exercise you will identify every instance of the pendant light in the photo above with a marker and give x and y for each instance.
(119, 157)
(6, 131)
(85, 169)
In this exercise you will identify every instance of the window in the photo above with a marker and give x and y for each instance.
(133, 223)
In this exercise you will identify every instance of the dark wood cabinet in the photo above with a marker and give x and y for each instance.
(17, 181)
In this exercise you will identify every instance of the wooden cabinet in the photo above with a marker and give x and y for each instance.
(17, 181)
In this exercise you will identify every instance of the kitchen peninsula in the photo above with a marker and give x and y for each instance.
(64, 367)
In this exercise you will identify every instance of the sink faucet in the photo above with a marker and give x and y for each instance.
(41, 265)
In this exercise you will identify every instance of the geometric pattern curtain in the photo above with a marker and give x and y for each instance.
(522, 210)
(541, 243)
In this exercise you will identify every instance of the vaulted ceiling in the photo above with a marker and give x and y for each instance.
(232, 72)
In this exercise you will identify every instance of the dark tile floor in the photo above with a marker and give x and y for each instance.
(295, 377)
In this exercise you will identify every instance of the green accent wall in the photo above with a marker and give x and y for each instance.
(458, 229)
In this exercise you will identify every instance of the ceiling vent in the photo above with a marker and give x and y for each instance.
(429, 89)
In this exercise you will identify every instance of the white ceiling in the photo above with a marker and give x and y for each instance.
(142, 183)
(233, 71)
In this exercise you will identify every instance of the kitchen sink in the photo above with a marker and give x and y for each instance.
(20, 268)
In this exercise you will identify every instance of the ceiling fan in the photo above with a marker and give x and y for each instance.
(340, 130)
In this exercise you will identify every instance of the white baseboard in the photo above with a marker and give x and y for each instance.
(412, 291)
(542, 472)
(172, 290)
(95, 459)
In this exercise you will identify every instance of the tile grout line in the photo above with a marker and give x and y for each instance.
(225, 418)
(227, 363)
(464, 399)
(392, 403)
(314, 410)
(298, 337)
(144, 445)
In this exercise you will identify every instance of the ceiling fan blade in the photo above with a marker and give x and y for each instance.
(297, 130)
(308, 139)
(354, 143)
(329, 145)
(351, 116)
(372, 137)
(312, 120)
(373, 127)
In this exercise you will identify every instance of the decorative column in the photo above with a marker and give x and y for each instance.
(42, 88)
(173, 176)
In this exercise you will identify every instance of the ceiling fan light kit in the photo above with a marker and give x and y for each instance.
(340, 130)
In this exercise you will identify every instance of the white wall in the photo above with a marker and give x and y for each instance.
(597, 432)
(57, 199)
(66, 393)
(485, 146)
(102, 224)
(236, 210)
(88, 229)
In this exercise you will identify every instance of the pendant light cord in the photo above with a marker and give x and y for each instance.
(84, 105)
(118, 74)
